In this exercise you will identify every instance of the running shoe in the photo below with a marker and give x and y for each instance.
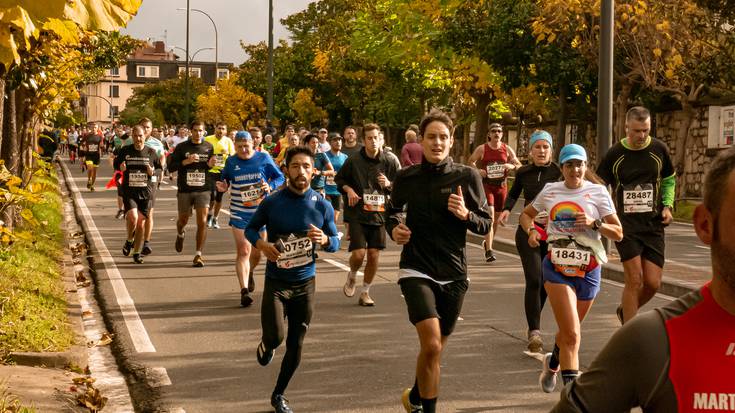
(120, 214)
(245, 299)
(251, 282)
(365, 300)
(535, 342)
(127, 247)
(489, 256)
(179, 245)
(619, 313)
(349, 288)
(215, 223)
(137, 259)
(547, 379)
(264, 355)
(146, 249)
(410, 407)
(198, 262)
(280, 404)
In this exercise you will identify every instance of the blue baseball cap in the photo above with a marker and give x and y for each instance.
(571, 152)
(242, 135)
(541, 135)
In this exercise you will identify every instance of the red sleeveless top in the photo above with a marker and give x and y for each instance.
(493, 161)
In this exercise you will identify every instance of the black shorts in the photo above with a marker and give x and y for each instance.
(73, 148)
(135, 202)
(427, 299)
(366, 236)
(92, 159)
(214, 193)
(336, 201)
(649, 245)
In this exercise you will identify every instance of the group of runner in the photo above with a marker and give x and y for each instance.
(427, 207)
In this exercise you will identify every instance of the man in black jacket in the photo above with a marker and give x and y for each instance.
(366, 180)
(443, 201)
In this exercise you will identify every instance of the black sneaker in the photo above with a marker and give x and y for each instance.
(120, 214)
(489, 256)
(137, 259)
(179, 244)
(127, 247)
(146, 249)
(264, 355)
(280, 404)
(245, 299)
(251, 282)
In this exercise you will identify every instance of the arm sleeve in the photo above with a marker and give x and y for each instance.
(330, 229)
(668, 190)
(479, 220)
(514, 193)
(226, 174)
(257, 221)
(274, 174)
(627, 373)
(394, 212)
(175, 159)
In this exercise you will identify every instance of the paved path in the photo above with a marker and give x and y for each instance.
(185, 343)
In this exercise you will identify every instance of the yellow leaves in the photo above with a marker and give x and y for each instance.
(657, 52)
(307, 111)
(101, 14)
(67, 30)
(229, 103)
(321, 63)
(15, 26)
(669, 73)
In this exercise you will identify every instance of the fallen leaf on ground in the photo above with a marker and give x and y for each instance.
(104, 340)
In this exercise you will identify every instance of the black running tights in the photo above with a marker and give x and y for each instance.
(295, 302)
(535, 295)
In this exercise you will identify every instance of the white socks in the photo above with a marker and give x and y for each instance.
(365, 287)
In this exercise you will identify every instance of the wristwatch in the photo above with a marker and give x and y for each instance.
(597, 224)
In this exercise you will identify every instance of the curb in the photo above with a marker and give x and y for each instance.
(77, 355)
(613, 272)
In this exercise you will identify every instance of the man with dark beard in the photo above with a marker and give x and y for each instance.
(680, 357)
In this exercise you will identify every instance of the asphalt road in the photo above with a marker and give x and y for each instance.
(186, 345)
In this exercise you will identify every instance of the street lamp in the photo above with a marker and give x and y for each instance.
(191, 58)
(112, 113)
(216, 41)
(269, 98)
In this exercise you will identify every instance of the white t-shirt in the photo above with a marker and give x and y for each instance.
(561, 204)
(177, 140)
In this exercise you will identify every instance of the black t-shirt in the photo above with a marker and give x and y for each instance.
(635, 177)
(136, 181)
(192, 177)
(93, 144)
(530, 180)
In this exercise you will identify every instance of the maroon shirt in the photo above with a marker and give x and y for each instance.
(411, 154)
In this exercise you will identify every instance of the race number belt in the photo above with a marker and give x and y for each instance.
(373, 202)
(251, 195)
(570, 258)
(637, 199)
(195, 178)
(296, 251)
(219, 160)
(495, 171)
(137, 179)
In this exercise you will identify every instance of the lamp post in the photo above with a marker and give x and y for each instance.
(112, 114)
(186, 75)
(216, 42)
(269, 98)
(605, 76)
(199, 50)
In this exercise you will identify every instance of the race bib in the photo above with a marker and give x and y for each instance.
(92, 147)
(373, 202)
(569, 258)
(137, 179)
(195, 178)
(251, 195)
(637, 199)
(295, 251)
(330, 181)
(219, 161)
(495, 171)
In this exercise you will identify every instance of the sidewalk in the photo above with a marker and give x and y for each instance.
(45, 390)
(678, 279)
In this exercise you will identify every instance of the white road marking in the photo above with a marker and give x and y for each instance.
(158, 377)
(341, 266)
(507, 254)
(136, 329)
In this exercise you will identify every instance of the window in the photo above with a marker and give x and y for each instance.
(115, 71)
(148, 71)
(114, 91)
(223, 73)
(193, 71)
(114, 111)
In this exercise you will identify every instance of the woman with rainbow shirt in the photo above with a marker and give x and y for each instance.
(579, 212)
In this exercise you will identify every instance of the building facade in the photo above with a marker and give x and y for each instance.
(103, 101)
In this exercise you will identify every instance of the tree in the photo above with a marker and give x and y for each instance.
(307, 111)
(230, 103)
(166, 97)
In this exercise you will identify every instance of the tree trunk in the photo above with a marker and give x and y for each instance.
(26, 135)
(466, 150)
(2, 108)
(561, 119)
(10, 149)
(482, 116)
(682, 146)
(621, 108)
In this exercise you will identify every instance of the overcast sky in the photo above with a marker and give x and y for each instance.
(236, 20)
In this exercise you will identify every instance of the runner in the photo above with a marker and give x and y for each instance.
(289, 136)
(119, 140)
(337, 159)
(679, 358)
(73, 144)
(92, 147)
(351, 145)
(366, 180)
(494, 159)
(322, 167)
(268, 144)
(579, 211)
(324, 145)
(290, 271)
(223, 148)
(192, 159)
(257, 135)
(137, 162)
(640, 171)
(443, 201)
(412, 151)
(250, 176)
(530, 179)
(155, 183)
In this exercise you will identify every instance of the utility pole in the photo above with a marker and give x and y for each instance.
(605, 79)
(186, 75)
(269, 99)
